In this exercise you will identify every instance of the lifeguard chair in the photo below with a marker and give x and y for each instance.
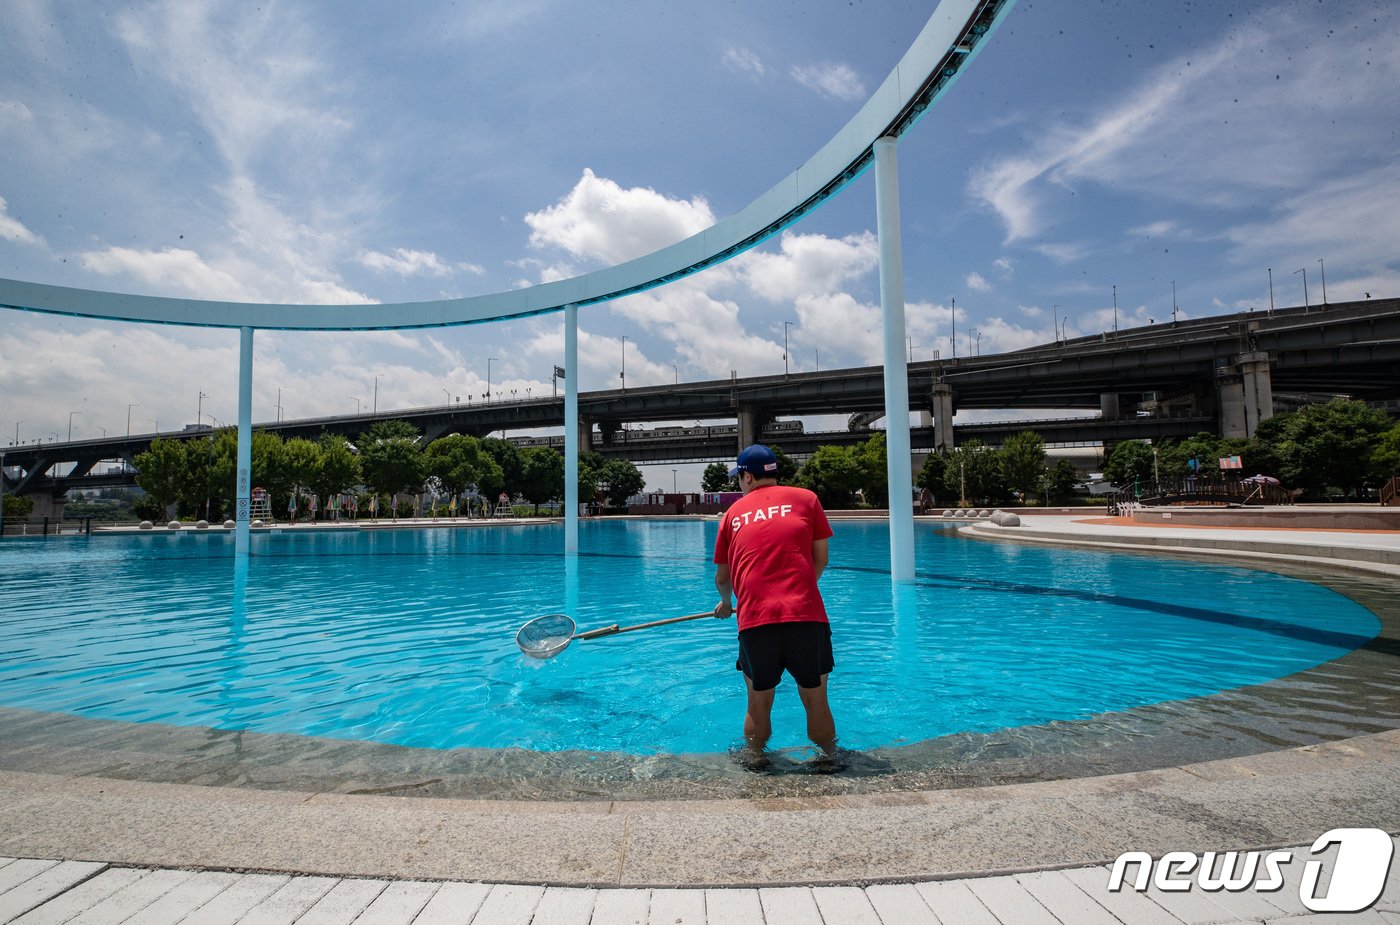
(259, 505)
(503, 508)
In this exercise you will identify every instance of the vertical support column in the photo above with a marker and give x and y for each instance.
(942, 417)
(748, 428)
(571, 438)
(1257, 383)
(1108, 406)
(244, 485)
(896, 370)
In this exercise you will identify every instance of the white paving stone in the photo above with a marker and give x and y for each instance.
(1011, 902)
(954, 903)
(845, 904)
(565, 906)
(508, 905)
(398, 904)
(453, 904)
(131, 899)
(1066, 901)
(20, 871)
(900, 902)
(234, 903)
(85, 895)
(343, 902)
(1127, 905)
(792, 905)
(733, 907)
(289, 902)
(621, 907)
(179, 903)
(44, 886)
(677, 907)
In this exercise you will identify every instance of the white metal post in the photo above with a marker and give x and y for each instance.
(245, 442)
(571, 430)
(896, 369)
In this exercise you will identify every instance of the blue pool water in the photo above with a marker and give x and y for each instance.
(407, 636)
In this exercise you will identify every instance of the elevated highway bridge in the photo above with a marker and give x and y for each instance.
(1170, 379)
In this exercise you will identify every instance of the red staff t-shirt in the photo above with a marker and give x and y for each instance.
(766, 540)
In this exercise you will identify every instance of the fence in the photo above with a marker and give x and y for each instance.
(47, 526)
(1236, 492)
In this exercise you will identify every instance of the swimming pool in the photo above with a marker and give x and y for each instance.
(405, 637)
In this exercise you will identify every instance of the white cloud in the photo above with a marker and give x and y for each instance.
(406, 262)
(977, 282)
(12, 229)
(601, 221)
(808, 265)
(1153, 230)
(837, 81)
(1003, 266)
(744, 61)
(172, 271)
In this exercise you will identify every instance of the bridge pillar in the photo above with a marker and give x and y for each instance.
(942, 417)
(1245, 394)
(608, 431)
(748, 427)
(585, 435)
(1108, 406)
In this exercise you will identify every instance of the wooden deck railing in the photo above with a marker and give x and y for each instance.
(1197, 491)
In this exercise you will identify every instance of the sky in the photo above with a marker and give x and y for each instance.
(319, 152)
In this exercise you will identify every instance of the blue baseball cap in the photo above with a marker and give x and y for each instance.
(758, 461)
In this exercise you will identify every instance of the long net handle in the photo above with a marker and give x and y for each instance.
(614, 629)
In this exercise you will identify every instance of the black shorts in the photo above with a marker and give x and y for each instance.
(804, 649)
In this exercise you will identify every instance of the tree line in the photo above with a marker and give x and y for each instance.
(1341, 448)
(197, 476)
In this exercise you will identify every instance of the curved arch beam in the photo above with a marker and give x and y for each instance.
(954, 33)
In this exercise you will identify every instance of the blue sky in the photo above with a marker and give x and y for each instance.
(324, 152)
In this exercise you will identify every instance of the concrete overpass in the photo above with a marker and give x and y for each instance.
(1169, 379)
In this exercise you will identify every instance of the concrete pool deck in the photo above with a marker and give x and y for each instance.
(1012, 853)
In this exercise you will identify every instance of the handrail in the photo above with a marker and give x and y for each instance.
(1390, 492)
(1198, 490)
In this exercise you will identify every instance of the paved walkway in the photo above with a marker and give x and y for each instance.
(53, 892)
(92, 849)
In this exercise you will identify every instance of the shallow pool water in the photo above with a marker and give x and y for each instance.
(408, 636)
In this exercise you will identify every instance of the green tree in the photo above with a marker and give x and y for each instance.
(974, 474)
(933, 474)
(508, 458)
(390, 458)
(459, 462)
(716, 478)
(1130, 461)
(1385, 456)
(1326, 446)
(834, 473)
(1062, 478)
(787, 469)
(542, 477)
(161, 471)
(339, 470)
(874, 461)
(1023, 463)
(623, 480)
(18, 507)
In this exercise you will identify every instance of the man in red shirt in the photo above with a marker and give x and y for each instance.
(771, 549)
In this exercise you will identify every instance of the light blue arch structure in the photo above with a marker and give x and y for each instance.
(954, 33)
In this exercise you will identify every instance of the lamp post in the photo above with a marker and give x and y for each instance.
(676, 369)
(979, 344)
(1115, 310)
(199, 408)
(1323, 266)
(953, 315)
(1173, 301)
(818, 355)
(449, 396)
(1055, 322)
(786, 325)
(623, 374)
(374, 409)
(17, 423)
(357, 405)
(1271, 292)
(1304, 271)
(70, 424)
(129, 406)
(155, 422)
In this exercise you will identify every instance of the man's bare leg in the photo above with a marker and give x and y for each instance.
(821, 725)
(758, 725)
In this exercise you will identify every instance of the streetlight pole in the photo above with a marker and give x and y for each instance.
(818, 354)
(1324, 280)
(677, 370)
(1055, 322)
(357, 405)
(157, 423)
(489, 361)
(1304, 271)
(449, 396)
(199, 410)
(375, 408)
(1271, 292)
(1173, 301)
(129, 406)
(953, 315)
(786, 325)
(17, 423)
(623, 374)
(1115, 310)
(70, 424)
